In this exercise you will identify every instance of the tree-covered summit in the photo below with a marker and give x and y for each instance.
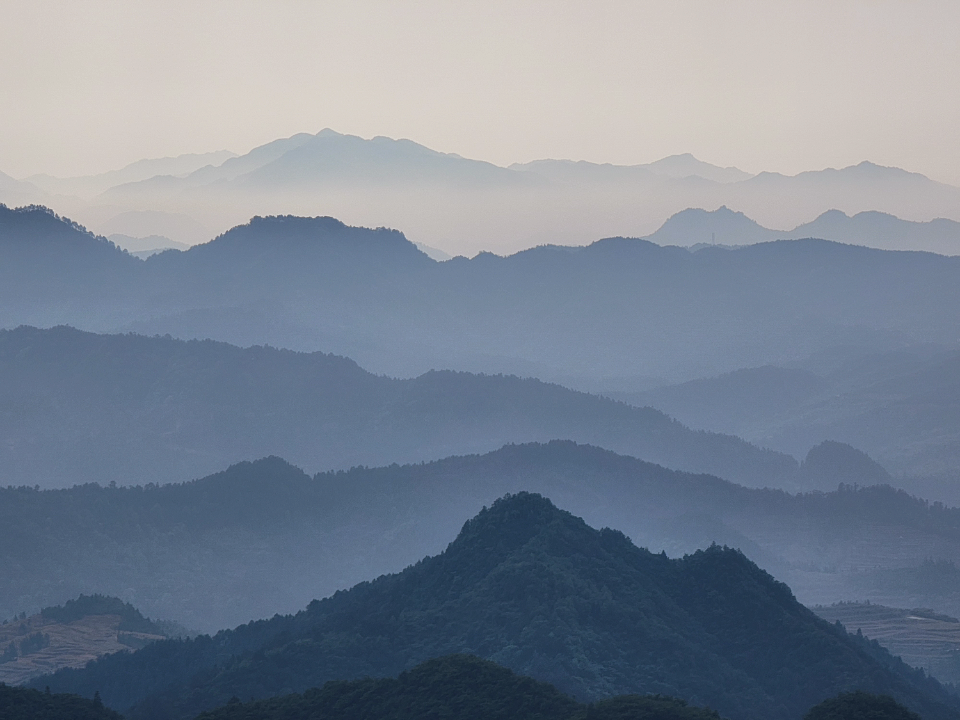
(537, 590)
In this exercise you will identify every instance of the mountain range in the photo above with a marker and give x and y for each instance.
(700, 228)
(716, 389)
(902, 407)
(79, 407)
(265, 537)
(539, 591)
(621, 314)
(464, 206)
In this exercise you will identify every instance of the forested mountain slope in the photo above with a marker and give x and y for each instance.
(78, 407)
(723, 226)
(537, 590)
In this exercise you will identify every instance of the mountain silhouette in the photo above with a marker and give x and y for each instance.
(460, 686)
(537, 590)
(723, 226)
(464, 206)
(884, 231)
(126, 408)
(616, 314)
(88, 186)
(316, 534)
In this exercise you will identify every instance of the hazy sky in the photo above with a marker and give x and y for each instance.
(761, 84)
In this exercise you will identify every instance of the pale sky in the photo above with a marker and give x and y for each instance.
(761, 84)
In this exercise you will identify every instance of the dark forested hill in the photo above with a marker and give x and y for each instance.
(537, 590)
(22, 704)
(264, 537)
(860, 706)
(457, 686)
(613, 314)
(78, 407)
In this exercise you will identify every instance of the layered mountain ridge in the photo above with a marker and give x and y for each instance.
(464, 205)
(539, 591)
(621, 313)
(273, 537)
(129, 409)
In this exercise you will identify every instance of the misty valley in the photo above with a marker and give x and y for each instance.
(310, 468)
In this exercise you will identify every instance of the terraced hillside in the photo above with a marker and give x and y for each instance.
(921, 638)
(70, 636)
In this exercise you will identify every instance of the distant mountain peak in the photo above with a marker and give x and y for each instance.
(832, 463)
(686, 165)
(833, 214)
(723, 226)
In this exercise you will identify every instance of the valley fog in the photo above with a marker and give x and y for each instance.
(394, 361)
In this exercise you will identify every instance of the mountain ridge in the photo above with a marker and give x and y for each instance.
(534, 588)
(618, 309)
(316, 534)
(464, 205)
(192, 407)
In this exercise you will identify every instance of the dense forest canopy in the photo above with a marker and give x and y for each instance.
(537, 590)
(17, 703)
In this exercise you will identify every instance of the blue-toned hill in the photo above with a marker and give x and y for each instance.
(536, 589)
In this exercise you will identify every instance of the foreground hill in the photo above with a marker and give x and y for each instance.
(537, 590)
(265, 537)
(615, 314)
(459, 686)
(18, 703)
(80, 407)
(860, 706)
